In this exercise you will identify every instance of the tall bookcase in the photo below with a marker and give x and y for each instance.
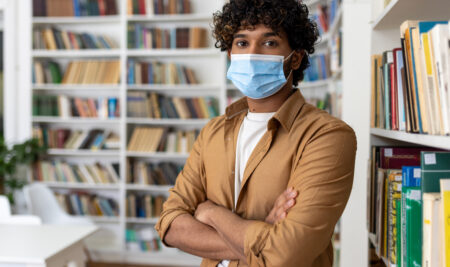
(385, 35)
(210, 66)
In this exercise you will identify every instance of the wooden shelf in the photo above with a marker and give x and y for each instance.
(83, 152)
(49, 119)
(67, 185)
(170, 18)
(185, 52)
(66, 53)
(76, 20)
(168, 122)
(158, 155)
(76, 87)
(150, 188)
(436, 141)
(400, 10)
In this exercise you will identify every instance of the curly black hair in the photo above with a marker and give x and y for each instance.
(290, 16)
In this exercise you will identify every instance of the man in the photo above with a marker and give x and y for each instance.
(265, 183)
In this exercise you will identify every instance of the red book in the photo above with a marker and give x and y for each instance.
(393, 97)
(141, 7)
(102, 7)
(79, 107)
(396, 157)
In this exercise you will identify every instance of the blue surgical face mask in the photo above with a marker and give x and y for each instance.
(257, 76)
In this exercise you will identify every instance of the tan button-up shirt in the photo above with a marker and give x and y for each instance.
(303, 147)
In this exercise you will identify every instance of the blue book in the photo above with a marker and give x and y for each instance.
(131, 71)
(76, 8)
(112, 105)
(173, 38)
(411, 176)
(137, 36)
(401, 104)
(323, 65)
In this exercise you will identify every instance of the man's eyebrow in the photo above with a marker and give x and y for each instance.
(239, 35)
(270, 34)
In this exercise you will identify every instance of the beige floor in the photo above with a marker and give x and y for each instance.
(99, 264)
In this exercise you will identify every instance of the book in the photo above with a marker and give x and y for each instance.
(64, 8)
(445, 227)
(159, 73)
(152, 139)
(144, 205)
(394, 195)
(435, 166)
(82, 204)
(413, 221)
(431, 231)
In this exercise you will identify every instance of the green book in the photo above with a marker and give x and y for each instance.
(55, 72)
(398, 233)
(435, 166)
(413, 210)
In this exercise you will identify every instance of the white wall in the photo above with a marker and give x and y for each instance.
(355, 111)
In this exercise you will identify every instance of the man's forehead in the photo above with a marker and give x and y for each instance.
(259, 29)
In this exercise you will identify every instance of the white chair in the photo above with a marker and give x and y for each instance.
(7, 218)
(42, 202)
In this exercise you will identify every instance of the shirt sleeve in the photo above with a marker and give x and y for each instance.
(188, 191)
(323, 178)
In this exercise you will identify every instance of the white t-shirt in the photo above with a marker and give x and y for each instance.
(252, 129)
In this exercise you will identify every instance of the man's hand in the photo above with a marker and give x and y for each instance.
(282, 205)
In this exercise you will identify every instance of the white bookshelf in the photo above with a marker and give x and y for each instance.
(89, 53)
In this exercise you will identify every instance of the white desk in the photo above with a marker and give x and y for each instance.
(43, 245)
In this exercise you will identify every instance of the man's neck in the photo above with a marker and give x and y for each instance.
(271, 103)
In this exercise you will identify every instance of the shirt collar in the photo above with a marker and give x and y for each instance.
(285, 115)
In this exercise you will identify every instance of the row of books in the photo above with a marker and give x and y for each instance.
(321, 17)
(144, 205)
(150, 139)
(153, 105)
(156, 7)
(319, 68)
(146, 173)
(59, 171)
(77, 72)
(54, 38)
(70, 8)
(409, 191)
(159, 73)
(64, 138)
(142, 239)
(84, 204)
(64, 106)
(336, 52)
(410, 83)
(140, 36)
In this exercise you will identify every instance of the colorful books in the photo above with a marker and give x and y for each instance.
(60, 171)
(159, 73)
(141, 37)
(145, 173)
(143, 239)
(152, 105)
(319, 68)
(70, 8)
(144, 205)
(84, 204)
(64, 106)
(149, 139)
(157, 7)
(55, 38)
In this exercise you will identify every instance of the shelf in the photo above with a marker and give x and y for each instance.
(158, 155)
(76, 20)
(49, 119)
(67, 185)
(337, 74)
(314, 84)
(83, 152)
(173, 52)
(400, 10)
(102, 219)
(334, 28)
(173, 87)
(184, 122)
(171, 18)
(65, 53)
(150, 188)
(142, 220)
(372, 239)
(165, 257)
(437, 141)
(76, 87)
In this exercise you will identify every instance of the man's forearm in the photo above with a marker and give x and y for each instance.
(194, 237)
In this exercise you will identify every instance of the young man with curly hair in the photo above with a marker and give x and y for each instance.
(266, 182)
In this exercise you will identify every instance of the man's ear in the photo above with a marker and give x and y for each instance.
(297, 58)
(229, 54)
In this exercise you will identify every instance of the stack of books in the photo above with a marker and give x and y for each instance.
(84, 204)
(64, 138)
(144, 205)
(149, 139)
(152, 105)
(54, 38)
(145, 173)
(319, 68)
(66, 107)
(409, 205)
(410, 83)
(140, 37)
(59, 171)
(159, 73)
(70, 8)
(77, 72)
(158, 7)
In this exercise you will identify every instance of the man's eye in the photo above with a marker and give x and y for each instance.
(241, 43)
(270, 43)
